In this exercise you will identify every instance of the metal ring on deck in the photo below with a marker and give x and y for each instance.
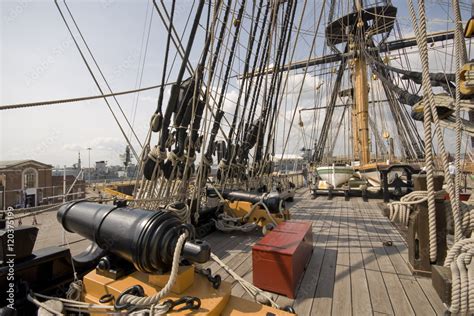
(136, 290)
(106, 298)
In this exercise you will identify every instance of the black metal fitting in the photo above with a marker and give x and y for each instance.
(190, 302)
(215, 280)
(136, 290)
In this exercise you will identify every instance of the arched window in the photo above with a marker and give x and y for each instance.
(30, 178)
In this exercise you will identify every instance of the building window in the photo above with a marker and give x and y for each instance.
(30, 178)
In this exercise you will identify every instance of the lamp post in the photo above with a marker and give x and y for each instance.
(89, 149)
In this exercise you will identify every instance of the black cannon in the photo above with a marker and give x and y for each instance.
(146, 239)
(272, 200)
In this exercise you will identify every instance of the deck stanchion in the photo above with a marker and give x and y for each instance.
(386, 193)
(365, 196)
(330, 193)
(347, 193)
(418, 230)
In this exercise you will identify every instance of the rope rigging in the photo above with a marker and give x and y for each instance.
(78, 99)
(95, 80)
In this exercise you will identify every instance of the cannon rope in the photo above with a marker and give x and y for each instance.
(154, 299)
(259, 295)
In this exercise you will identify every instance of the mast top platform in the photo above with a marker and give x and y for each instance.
(377, 20)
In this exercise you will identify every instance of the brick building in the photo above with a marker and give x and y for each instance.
(29, 183)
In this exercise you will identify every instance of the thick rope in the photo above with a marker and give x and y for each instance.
(459, 260)
(421, 40)
(462, 294)
(76, 304)
(183, 213)
(420, 31)
(459, 56)
(154, 299)
(75, 290)
(259, 295)
(400, 210)
(42, 305)
(79, 99)
(226, 224)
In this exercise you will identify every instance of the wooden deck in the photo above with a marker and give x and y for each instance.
(350, 272)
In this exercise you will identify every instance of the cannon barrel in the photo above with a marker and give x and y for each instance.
(272, 200)
(145, 238)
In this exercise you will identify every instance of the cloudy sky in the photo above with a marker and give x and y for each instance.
(40, 62)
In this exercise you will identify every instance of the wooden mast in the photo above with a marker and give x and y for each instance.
(360, 110)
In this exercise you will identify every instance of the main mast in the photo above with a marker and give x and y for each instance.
(360, 109)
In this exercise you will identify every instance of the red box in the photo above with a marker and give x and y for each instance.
(280, 258)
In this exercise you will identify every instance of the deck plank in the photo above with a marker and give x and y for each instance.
(322, 303)
(417, 297)
(433, 297)
(350, 271)
(342, 303)
(400, 302)
(379, 296)
(360, 290)
(306, 295)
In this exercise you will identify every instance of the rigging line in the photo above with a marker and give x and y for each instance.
(246, 83)
(304, 76)
(254, 85)
(138, 84)
(405, 121)
(95, 80)
(243, 82)
(181, 38)
(102, 74)
(263, 61)
(220, 113)
(176, 40)
(272, 29)
(283, 52)
(165, 128)
(78, 99)
(165, 64)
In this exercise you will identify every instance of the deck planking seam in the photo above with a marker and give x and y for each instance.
(281, 299)
(397, 293)
(361, 303)
(379, 293)
(412, 290)
(322, 298)
(342, 297)
(356, 230)
(417, 296)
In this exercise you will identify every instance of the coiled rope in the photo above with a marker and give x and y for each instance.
(400, 210)
(430, 114)
(459, 260)
(459, 256)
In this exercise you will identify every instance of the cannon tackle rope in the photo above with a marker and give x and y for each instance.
(154, 299)
(259, 295)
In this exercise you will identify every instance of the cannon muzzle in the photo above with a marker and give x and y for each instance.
(145, 238)
(272, 200)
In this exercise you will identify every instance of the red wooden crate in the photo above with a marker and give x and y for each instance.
(279, 259)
